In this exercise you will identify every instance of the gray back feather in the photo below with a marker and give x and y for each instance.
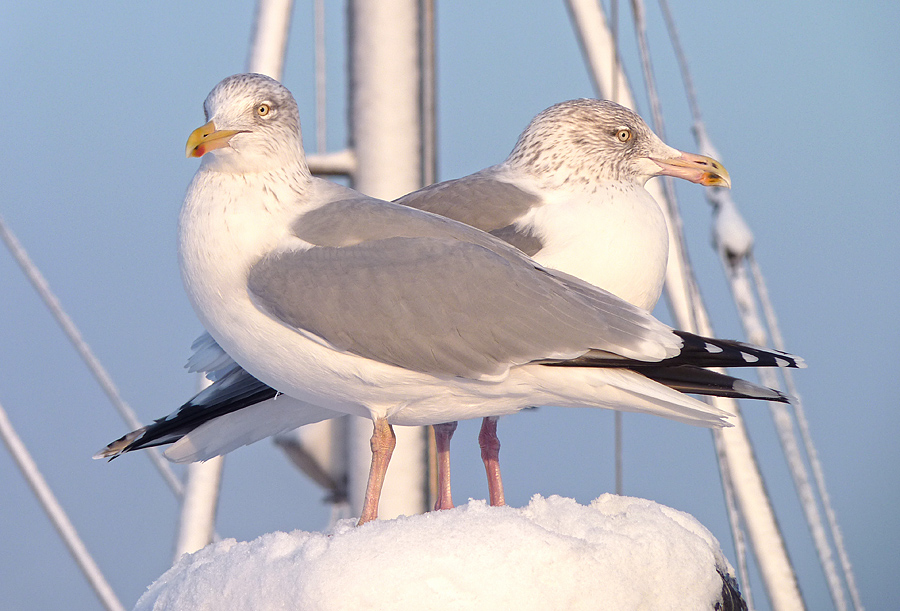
(479, 200)
(352, 221)
(484, 202)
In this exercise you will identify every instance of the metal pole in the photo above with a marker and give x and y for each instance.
(385, 119)
(428, 60)
(270, 36)
(197, 524)
(321, 82)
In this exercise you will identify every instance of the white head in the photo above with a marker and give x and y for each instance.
(588, 141)
(253, 126)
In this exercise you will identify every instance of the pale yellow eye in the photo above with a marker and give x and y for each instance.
(263, 109)
(623, 135)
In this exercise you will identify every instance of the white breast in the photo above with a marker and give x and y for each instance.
(614, 239)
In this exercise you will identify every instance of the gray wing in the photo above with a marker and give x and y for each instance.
(520, 237)
(446, 306)
(480, 200)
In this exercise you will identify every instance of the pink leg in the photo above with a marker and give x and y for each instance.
(382, 442)
(490, 454)
(442, 435)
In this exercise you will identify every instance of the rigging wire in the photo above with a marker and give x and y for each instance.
(781, 417)
(734, 516)
(803, 424)
(742, 293)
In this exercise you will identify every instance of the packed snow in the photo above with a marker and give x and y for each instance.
(616, 553)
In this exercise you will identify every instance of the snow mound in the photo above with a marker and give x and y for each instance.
(617, 553)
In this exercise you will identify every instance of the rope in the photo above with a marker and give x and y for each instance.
(742, 293)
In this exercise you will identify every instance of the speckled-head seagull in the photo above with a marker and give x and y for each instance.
(354, 305)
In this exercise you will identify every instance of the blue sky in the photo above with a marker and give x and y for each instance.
(801, 99)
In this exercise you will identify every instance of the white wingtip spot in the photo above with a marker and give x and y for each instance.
(749, 357)
(712, 348)
(782, 362)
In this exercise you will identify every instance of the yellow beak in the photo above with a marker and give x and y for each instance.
(206, 138)
(695, 168)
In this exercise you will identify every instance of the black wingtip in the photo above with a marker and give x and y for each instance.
(121, 445)
(698, 381)
(710, 352)
(236, 390)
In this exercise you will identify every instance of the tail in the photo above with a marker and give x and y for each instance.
(686, 371)
(235, 390)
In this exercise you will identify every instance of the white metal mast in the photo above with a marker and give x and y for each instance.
(386, 118)
(386, 158)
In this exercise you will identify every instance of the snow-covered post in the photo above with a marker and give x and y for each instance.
(385, 120)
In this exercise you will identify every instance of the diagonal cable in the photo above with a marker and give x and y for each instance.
(57, 515)
(102, 376)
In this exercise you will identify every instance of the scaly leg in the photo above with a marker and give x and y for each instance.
(442, 435)
(490, 454)
(382, 442)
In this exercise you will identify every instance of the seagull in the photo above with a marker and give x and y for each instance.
(366, 307)
(571, 195)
